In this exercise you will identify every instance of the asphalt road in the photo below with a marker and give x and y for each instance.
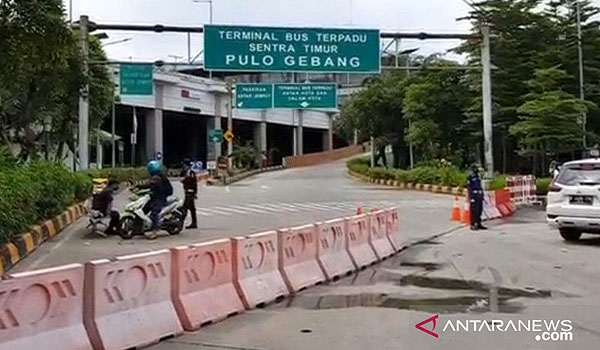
(518, 271)
(264, 202)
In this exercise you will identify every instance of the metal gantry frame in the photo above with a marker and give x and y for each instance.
(86, 26)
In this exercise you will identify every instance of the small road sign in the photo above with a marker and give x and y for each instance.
(228, 135)
(216, 135)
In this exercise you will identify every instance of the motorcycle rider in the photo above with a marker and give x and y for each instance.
(160, 190)
(102, 202)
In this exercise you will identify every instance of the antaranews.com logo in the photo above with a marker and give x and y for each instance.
(551, 330)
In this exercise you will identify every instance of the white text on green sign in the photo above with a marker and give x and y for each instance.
(136, 79)
(253, 96)
(301, 96)
(243, 48)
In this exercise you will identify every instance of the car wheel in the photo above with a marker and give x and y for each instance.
(569, 234)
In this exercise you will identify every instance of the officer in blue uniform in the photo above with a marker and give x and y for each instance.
(476, 198)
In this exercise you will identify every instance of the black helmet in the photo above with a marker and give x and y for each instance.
(186, 162)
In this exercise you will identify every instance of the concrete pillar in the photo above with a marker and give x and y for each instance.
(260, 138)
(154, 125)
(216, 148)
(300, 133)
(328, 135)
(154, 133)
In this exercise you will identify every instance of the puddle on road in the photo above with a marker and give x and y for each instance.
(450, 304)
(402, 282)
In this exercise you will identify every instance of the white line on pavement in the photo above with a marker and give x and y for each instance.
(216, 212)
(264, 208)
(228, 209)
(250, 209)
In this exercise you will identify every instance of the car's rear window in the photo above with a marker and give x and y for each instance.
(580, 174)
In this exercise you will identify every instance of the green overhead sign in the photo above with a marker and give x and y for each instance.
(245, 48)
(294, 96)
(253, 96)
(136, 79)
(300, 96)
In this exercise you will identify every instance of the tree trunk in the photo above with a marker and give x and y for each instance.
(543, 170)
(503, 153)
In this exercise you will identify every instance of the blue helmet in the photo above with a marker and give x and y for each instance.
(153, 167)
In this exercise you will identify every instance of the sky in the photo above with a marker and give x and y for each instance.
(387, 15)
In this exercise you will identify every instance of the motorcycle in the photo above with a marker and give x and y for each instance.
(135, 222)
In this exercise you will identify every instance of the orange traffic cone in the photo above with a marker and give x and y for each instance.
(455, 210)
(359, 210)
(466, 217)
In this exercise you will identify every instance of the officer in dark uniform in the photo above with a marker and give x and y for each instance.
(190, 187)
(476, 198)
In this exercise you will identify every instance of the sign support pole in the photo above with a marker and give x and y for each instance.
(84, 102)
(487, 102)
(230, 122)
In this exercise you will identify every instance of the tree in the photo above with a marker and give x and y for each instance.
(435, 103)
(377, 111)
(41, 77)
(549, 119)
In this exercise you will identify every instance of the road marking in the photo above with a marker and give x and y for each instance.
(309, 206)
(319, 206)
(265, 208)
(291, 206)
(227, 189)
(201, 212)
(251, 209)
(216, 212)
(279, 207)
(228, 209)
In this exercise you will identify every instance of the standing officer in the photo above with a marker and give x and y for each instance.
(476, 198)
(190, 187)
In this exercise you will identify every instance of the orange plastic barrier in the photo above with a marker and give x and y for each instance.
(298, 257)
(331, 250)
(127, 302)
(378, 238)
(504, 202)
(357, 230)
(203, 289)
(255, 269)
(43, 309)
(392, 228)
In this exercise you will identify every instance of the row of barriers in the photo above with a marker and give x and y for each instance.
(522, 189)
(137, 300)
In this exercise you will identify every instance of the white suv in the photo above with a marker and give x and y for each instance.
(574, 199)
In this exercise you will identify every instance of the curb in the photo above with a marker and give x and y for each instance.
(22, 245)
(235, 178)
(457, 191)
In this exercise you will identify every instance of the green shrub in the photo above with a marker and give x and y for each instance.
(359, 165)
(497, 183)
(34, 192)
(381, 173)
(438, 173)
(542, 186)
(82, 186)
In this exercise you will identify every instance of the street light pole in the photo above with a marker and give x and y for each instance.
(407, 53)
(581, 82)
(486, 80)
(230, 120)
(84, 106)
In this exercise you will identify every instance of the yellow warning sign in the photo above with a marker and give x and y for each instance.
(228, 135)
